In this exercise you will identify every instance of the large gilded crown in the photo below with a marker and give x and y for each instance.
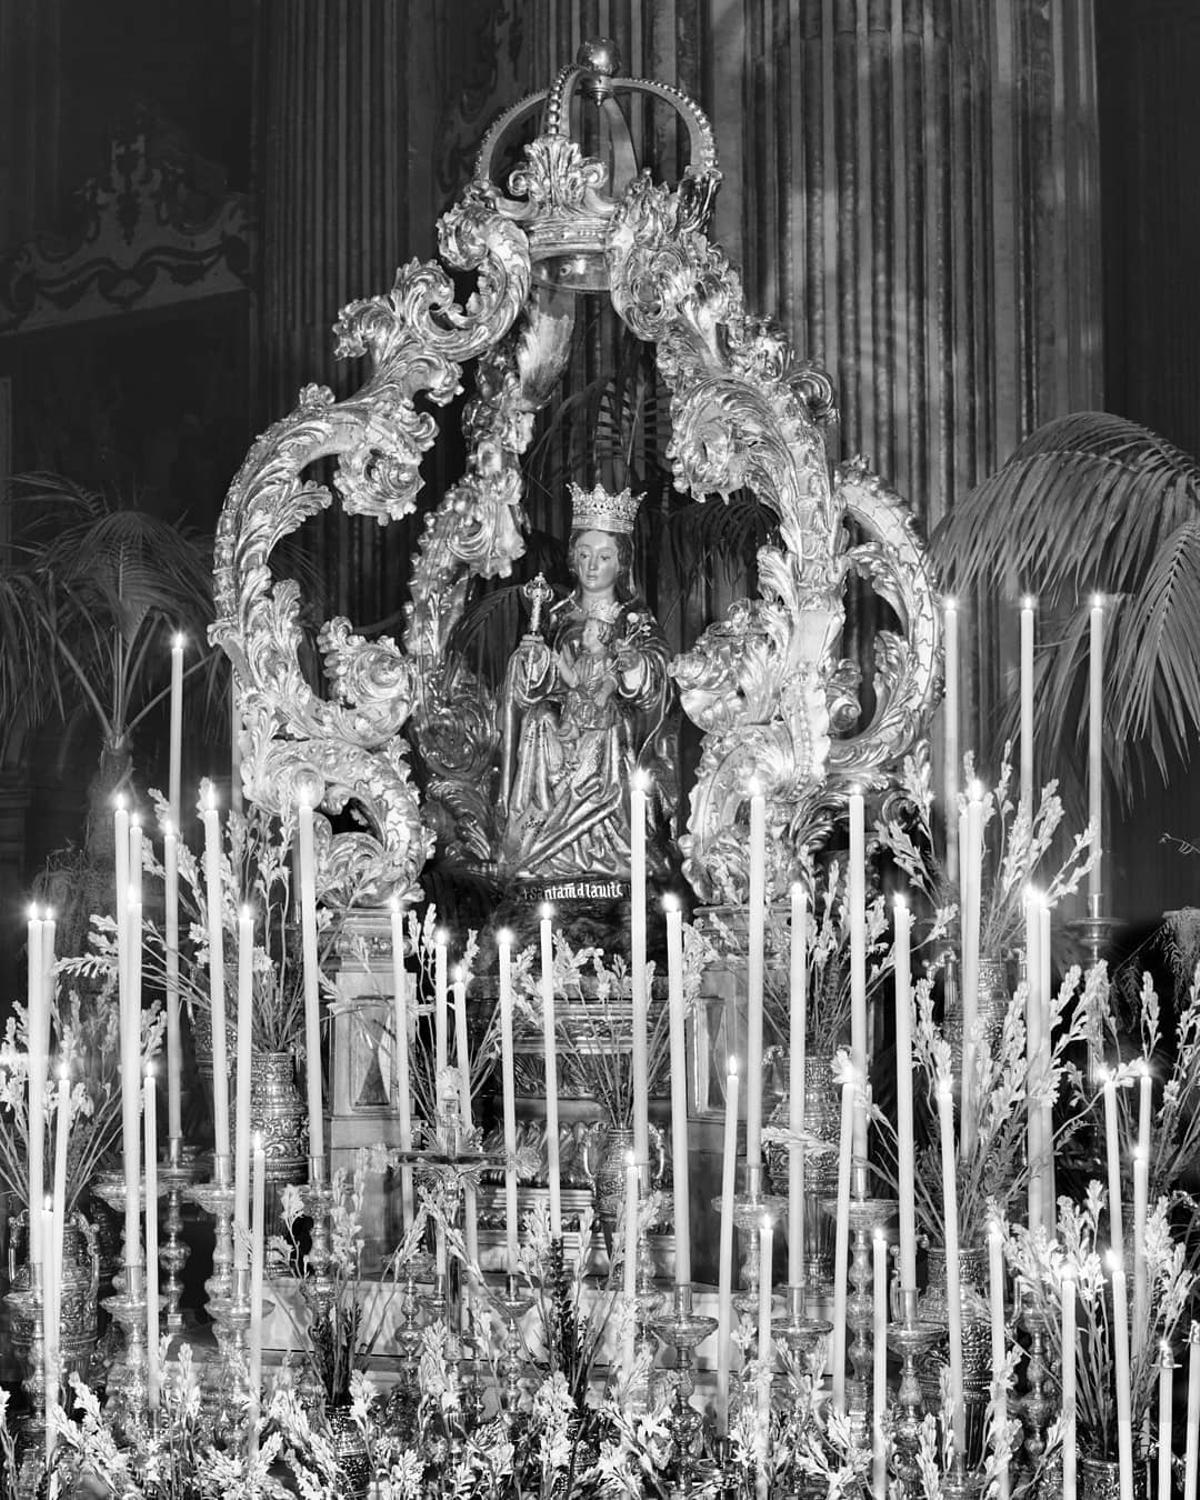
(597, 510)
(565, 200)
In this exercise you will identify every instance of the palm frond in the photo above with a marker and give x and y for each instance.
(1094, 503)
(1084, 503)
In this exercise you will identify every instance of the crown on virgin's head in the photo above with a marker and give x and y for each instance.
(598, 510)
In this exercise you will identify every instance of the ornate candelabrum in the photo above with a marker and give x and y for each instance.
(175, 1175)
(748, 1210)
(128, 1385)
(1037, 1406)
(866, 1215)
(26, 1303)
(911, 1339)
(216, 1199)
(682, 1329)
(513, 1303)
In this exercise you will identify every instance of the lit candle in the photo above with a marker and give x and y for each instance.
(1166, 1398)
(755, 955)
(879, 1476)
(1033, 1044)
(62, 1137)
(174, 777)
(403, 1095)
(136, 858)
(131, 1099)
(679, 1107)
(1191, 1456)
(461, 1048)
(245, 1029)
(766, 1351)
(950, 732)
(999, 1349)
(44, 1210)
(1027, 607)
(1141, 1168)
(441, 1001)
(842, 1240)
(216, 983)
(1046, 1128)
(1124, 1389)
(1095, 749)
(174, 1042)
(36, 1043)
(509, 1092)
(970, 986)
(1141, 1194)
(312, 986)
(257, 1243)
(463, 1058)
(638, 787)
(905, 1142)
(548, 1046)
(725, 1259)
(629, 1285)
(150, 1127)
(857, 895)
(797, 994)
(953, 1286)
(1113, 1153)
(1069, 1462)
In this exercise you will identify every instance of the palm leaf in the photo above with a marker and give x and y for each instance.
(1094, 503)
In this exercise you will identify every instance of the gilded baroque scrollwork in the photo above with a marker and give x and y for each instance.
(347, 749)
(776, 702)
(764, 683)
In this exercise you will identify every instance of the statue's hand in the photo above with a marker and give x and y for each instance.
(535, 659)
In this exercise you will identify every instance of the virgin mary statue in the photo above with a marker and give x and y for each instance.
(584, 708)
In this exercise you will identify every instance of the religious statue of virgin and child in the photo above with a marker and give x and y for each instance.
(586, 704)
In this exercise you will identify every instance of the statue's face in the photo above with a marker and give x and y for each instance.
(597, 561)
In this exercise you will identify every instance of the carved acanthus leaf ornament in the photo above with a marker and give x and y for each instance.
(766, 685)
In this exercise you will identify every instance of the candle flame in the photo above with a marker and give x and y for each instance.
(1113, 1261)
(439, 937)
(670, 903)
(208, 795)
(64, 1072)
(754, 787)
(32, 913)
(168, 829)
(247, 913)
(899, 904)
(768, 1224)
(48, 1206)
(1097, 601)
(949, 603)
(975, 791)
(119, 801)
(733, 1066)
(630, 1161)
(1028, 602)
(546, 911)
(504, 938)
(150, 1071)
(460, 974)
(178, 641)
(640, 781)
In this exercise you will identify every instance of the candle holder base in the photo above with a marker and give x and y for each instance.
(682, 1330)
(128, 1381)
(175, 1175)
